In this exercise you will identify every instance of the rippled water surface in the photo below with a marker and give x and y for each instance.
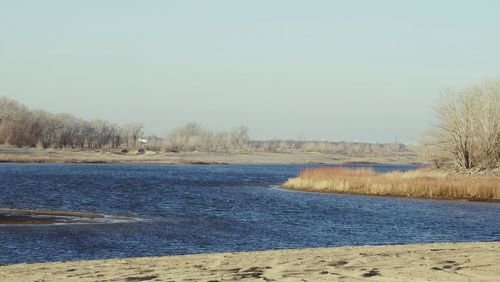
(191, 209)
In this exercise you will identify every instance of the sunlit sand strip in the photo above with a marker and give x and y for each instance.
(420, 262)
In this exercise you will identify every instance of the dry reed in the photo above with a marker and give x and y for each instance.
(419, 183)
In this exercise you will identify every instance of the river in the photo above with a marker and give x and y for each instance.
(181, 209)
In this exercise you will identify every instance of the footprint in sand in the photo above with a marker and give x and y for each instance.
(371, 273)
(141, 278)
(338, 263)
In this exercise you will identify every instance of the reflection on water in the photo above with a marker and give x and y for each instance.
(192, 209)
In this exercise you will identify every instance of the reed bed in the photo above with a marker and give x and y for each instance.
(421, 183)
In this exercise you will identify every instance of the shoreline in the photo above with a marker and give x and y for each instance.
(195, 162)
(9, 154)
(417, 184)
(470, 261)
(306, 190)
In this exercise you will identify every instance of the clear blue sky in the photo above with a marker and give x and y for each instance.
(336, 70)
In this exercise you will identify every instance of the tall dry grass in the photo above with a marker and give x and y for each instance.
(420, 183)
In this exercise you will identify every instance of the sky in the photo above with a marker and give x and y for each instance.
(333, 70)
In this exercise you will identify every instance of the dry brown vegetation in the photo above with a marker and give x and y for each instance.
(420, 183)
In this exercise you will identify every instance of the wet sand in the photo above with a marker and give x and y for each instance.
(17, 216)
(421, 262)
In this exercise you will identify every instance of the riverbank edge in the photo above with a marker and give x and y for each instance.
(469, 261)
(180, 160)
(389, 195)
(423, 183)
(10, 154)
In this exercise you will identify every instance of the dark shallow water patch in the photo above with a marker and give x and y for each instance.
(47, 217)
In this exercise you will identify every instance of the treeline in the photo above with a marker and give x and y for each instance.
(327, 147)
(22, 127)
(467, 135)
(193, 137)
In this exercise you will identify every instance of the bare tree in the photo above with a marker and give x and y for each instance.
(239, 137)
(184, 138)
(136, 131)
(468, 130)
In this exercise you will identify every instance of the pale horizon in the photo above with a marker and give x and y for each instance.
(324, 70)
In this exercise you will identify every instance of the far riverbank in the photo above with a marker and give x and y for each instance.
(23, 155)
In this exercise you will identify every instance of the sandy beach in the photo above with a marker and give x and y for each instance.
(419, 262)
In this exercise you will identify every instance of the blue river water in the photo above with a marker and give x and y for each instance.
(184, 209)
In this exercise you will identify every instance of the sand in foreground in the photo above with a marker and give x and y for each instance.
(426, 262)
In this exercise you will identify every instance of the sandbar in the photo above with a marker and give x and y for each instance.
(416, 262)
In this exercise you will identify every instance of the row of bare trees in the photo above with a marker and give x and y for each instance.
(327, 147)
(467, 135)
(193, 137)
(23, 127)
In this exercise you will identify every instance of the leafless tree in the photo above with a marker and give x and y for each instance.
(467, 134)
(239, 137)
(136, 130)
